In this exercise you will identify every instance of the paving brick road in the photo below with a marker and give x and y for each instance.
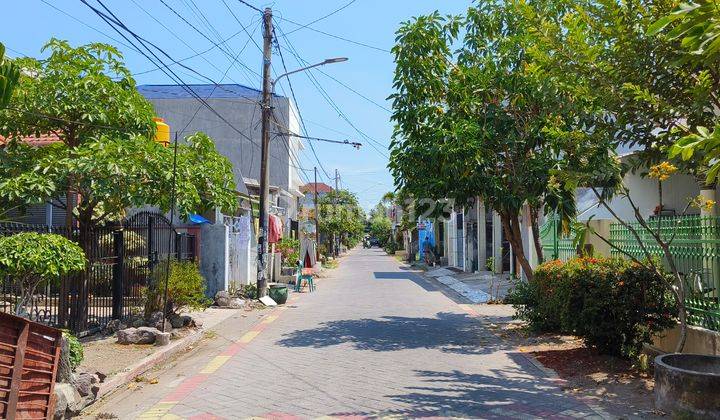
(375, 340)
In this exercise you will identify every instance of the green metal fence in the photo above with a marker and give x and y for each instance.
(555, 245)
(695, 249)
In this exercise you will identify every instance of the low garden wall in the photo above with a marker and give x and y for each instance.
(699, 341)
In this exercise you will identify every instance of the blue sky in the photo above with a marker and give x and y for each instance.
(28, 24)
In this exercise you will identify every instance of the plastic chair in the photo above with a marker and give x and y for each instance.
(300, 277)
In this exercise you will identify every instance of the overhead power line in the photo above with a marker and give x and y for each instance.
(226, 52)
(362, 44)
(294, 98)
(323, 17)
(331, 102)
(234, 60)
(197, 54)
(354, 91)
(114, 21)
(250, 6)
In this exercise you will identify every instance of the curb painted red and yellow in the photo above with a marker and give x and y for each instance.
(161, 410)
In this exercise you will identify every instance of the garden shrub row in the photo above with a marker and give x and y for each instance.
(614, 304)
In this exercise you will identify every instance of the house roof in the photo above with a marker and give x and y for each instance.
(321, 187)
(37, 141)
(206, 91)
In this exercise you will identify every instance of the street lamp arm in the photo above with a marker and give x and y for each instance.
(322, 63)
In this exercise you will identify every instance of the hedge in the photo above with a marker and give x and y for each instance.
(614, 304)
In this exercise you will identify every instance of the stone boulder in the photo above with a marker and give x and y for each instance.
(87, 383)
(162, 339)
(157, 320)
(142, 335)
(224, 300)
(183, 321)
(68, 401)
(134, 321)
(114, 326)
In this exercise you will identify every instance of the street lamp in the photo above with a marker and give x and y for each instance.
(322, 63)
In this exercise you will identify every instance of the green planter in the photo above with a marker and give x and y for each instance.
(278, 293)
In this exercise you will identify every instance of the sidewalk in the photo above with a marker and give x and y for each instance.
(479, 287)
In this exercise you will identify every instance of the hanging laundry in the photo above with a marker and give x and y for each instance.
(275, 231)
(243, 227)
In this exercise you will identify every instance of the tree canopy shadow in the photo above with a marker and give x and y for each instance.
(506, 393)
(448, 332)
(427, 284)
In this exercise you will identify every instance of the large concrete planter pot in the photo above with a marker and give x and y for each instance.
(278, 292)
(688, 385)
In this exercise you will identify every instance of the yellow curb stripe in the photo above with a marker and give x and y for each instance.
(158, 410)
(248, 337)
(269, 319)
(214, 364)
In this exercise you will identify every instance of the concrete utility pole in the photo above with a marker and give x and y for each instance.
(317, 225)
(264, 164)
(335, 239)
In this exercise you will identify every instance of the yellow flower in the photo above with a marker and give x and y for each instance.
(662, 171)
(708, 205)
(702, 203)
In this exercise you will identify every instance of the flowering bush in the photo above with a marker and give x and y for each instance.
(615, 305)
(290, 250)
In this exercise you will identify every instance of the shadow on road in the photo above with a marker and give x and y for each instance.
(449, 332)
(427, 285)
(415, 278)
(507, 393)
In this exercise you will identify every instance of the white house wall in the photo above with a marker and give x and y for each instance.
(644, 193)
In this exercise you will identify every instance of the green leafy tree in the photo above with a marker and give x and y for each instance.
(482, 119)
(340, 216)
(112, 174)
(87, 97)
(381, 228)
(78, 94)
(9, 75)
(638, 90)
(696, 27)
(30, 258)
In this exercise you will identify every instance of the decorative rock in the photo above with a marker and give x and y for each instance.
(114, 326)
(236, 303)
(85, 384)
(68, 401)
(198, 323)
(162, 339)
(222, 298)
(64, 370)
(138, 323)
(157, 320)
(177, 321)
(142, 335)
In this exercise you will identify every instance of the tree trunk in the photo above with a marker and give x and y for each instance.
(534, 216)
(79, 311)
(512, 231)
(64, 371)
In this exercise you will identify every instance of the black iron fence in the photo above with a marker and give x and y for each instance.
(120, 265)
